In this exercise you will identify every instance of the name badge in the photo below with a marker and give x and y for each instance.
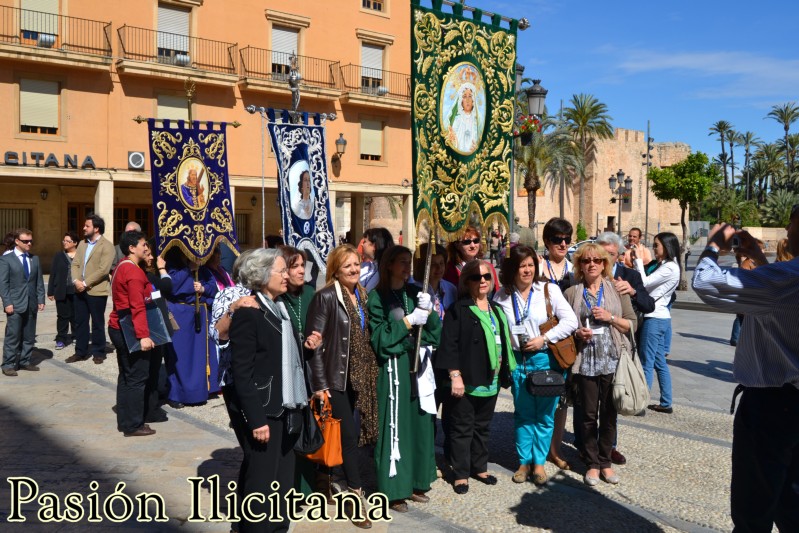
(599, 331)
(498, 339)
(156, 295)
(518, 330)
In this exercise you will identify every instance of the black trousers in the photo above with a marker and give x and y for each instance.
(468, 424)
(134, 370)
(264, 463)
(343, 404)
(88, 308)
(765, 461)
(598, 412)
(156, 357)
(65, 321)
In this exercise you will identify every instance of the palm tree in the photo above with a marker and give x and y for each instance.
(748, 140)
(790, 152)
(588, 121)
(721, 128)
(785, 114)
(552, 156)
(770, 168)
(734, 139)
(777, 209)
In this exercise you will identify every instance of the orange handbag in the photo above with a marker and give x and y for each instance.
(330, 452)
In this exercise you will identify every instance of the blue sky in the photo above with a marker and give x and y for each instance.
(682, 65)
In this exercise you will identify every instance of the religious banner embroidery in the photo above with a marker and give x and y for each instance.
(302, 187)
(191, 191)
(463, 73)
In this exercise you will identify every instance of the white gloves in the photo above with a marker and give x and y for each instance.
(418, 317)
(424, 301)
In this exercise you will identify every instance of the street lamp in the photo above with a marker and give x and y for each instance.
(625, 187)
(536, 95)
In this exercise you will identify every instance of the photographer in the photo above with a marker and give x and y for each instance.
(765, 450)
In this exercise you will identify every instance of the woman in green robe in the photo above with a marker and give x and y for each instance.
(405, 451)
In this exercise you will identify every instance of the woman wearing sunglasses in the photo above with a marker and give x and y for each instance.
(605, 317)
(470, 247)
(475, 350)
(557, 270)
(522, 299)
(405, 456)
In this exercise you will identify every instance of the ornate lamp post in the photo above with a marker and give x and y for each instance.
(625, 187)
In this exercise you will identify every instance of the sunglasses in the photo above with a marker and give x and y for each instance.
(26, 241)
(595, 260)
(467, 242)
(476, 277)
(558, 240)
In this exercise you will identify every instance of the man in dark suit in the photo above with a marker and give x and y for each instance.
(23, 294)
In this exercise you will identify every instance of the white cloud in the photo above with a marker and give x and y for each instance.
(724, 74)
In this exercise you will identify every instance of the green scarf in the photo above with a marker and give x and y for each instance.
(502, 329)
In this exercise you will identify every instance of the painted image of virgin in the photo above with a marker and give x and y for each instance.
(303, 205)
(463, 133)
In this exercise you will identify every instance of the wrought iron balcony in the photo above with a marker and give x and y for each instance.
(376, 82)
(36, 29)
(271, 65)
(141, 44)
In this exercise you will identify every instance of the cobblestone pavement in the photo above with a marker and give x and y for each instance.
(58, 428)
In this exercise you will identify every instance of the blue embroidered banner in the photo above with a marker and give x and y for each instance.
(302, 186)
(191, 191)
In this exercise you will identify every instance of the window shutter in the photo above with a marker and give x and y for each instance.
(40, 16)
(38, 103)
(173, 107)
(284, 42)
(371, 137)
(371, 61)
(173, 28)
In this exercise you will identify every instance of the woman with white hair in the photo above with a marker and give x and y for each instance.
(270, 388)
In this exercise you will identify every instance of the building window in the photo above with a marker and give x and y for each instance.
(173, 35)
(38, 106)
(172, 107)
(132, 213)
(371, 67)
(374, 5)
(11, 219)
(285, 41)
(76, 216)
(39, 23)
(243, 227)
(371, 140)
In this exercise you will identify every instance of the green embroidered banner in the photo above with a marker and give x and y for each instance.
(463, 78)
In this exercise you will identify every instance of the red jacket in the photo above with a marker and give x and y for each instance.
(130, 290)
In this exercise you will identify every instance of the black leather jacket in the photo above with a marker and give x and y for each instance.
(330, 361)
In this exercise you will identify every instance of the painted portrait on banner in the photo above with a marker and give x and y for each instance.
(301, 190)
(463, 108)
(193, 183)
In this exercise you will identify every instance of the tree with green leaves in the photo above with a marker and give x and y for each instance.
(588, 121)
(777, 209)
(785, 114)
(748, 140)
(687, 182)
(721, 128)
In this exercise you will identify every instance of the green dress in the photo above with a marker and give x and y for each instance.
(394, 347)
(297, 306)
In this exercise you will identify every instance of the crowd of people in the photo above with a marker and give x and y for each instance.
(271, 343)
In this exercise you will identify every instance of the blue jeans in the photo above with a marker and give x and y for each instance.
(533, 416)
(653, 355)
(736, 329)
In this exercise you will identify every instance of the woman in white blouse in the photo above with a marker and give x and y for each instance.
(523, 301)
(661, 284)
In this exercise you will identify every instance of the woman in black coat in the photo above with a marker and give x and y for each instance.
(62, 290)
(264, 348)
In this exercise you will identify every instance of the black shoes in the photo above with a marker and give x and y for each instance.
(488, 480)
(660, 409)
(75, 358)
(461, 489)
(617, 458)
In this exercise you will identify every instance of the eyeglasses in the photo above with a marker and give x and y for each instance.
(68, 242)
(558, 240)
(595, 260)
(26, 241)
(476, 277)
(467, 242)
(281, 272)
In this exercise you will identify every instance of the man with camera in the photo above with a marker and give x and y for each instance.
(765, 447)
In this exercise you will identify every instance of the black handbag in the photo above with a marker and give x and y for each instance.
(545, 383)
(311, 438)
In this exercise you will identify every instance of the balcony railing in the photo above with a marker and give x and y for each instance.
(275, 66)
(46, 30)
(376, 82)
(152, 46)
